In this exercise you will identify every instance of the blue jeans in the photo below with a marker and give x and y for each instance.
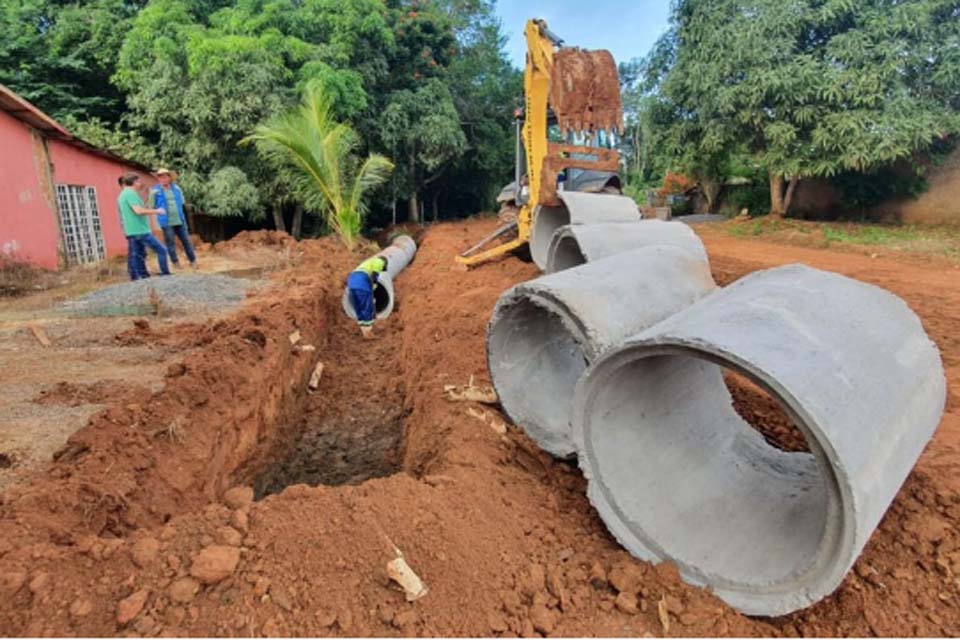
(147, 240)
(169, 236)
(361, 297)
(136, 259)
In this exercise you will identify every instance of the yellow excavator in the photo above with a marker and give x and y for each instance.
(566, 136)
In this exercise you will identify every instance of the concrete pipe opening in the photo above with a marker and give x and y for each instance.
(542, 333)
(677, 474)
(577, 209)
(573, 245)
(564, 254)
(662, 439)
(546, 221)
(383, 299)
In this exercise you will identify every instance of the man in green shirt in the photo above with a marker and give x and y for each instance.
(136, 226)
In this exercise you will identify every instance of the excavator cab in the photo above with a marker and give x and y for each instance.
(566, 139)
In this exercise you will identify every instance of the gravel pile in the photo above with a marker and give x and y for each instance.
(174, 294)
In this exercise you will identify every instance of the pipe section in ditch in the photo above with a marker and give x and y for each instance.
(399, 254)
(573, 245)
(577, 208)
(677, 475)
(543, 333)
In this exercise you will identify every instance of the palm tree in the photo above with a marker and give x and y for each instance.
(320, 154)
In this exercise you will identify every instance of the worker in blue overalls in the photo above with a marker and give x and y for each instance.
(360, 285)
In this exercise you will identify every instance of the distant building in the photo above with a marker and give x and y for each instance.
(58, 194)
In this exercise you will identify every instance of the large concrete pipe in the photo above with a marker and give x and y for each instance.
(398, 255)
(577, 208)
(677, 475)
(573, 245)
(543, 333)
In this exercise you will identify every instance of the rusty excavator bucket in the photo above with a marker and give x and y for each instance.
(585, 91)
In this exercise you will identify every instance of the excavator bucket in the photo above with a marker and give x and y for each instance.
(585, 91)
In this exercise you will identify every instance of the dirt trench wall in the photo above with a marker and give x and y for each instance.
(214, 424)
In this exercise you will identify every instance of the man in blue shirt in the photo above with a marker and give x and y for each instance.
(167, 196)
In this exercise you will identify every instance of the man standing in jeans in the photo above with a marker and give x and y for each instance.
(167, 196)
(136, 226)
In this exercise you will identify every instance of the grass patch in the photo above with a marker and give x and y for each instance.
(870, 234)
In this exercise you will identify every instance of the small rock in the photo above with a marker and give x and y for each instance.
(344, 619)
(129, 607)
(81, 607)
(498, 624)
(598, 577)
(229, 536)
(238, 497)
(214, 563)
(261, 586)
(174, 562)
(627, 602)
(38, 585)
(533, 580)
(239, 520)
(405, 619)
(326, 619)
(12, 581)
(145, 552)
(183, 590)
(281, 599)
(544, 620)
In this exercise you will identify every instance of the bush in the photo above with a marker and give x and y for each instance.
(17, 278)
(754, 197)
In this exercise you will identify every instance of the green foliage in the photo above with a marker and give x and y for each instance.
(228, 192)
(180, 82)
(319, 154)
(805, 88)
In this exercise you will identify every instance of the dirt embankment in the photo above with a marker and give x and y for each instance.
(132, 530)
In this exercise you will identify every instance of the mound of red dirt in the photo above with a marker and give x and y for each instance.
(133, 529)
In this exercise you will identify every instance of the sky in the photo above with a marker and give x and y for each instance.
(627, 28)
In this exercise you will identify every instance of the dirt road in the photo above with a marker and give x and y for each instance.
(131, 530)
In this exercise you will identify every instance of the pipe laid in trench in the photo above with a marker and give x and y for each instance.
(399, 254)
(573, 245)
(677, 475)
(577, 208)
(544, 332)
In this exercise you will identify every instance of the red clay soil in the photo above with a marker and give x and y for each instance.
(133, 532)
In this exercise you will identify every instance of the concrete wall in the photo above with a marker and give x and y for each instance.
(28, 226)
(940, 204)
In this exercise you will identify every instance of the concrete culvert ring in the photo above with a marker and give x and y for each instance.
(677, 474)
(577, 209)
(573, 245)
(565, 253)
(646, 438)
(535, 358)
(543, 333)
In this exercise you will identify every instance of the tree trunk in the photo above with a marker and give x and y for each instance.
(413, 208)
(711, 192)
(436, 211)
(278, 217)
(297, 221)
(781, 193)
(788, 199)
(413, 204)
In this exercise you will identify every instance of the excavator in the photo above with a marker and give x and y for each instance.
(565, 142)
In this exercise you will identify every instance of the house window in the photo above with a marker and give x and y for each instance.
(80, 224)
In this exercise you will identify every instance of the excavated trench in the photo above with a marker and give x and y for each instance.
(352, 428)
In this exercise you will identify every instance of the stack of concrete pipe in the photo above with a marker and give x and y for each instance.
(399, 254)
(620, 362)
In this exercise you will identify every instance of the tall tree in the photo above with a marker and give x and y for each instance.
(808, 87)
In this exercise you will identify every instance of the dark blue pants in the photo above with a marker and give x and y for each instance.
(148, 241)
(361, 297)
(136, 259)
(169, 236)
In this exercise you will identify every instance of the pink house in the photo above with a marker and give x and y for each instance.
(58, 194)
